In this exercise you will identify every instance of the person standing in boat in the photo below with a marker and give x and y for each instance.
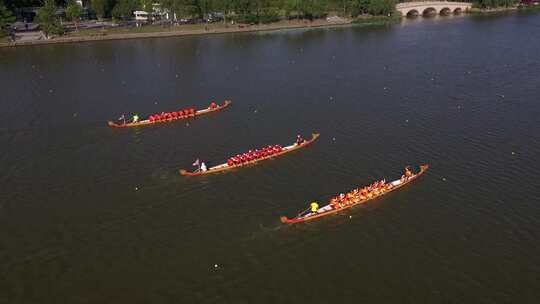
(314, 207)
(408, 172)
(122, 118)
(299, 139)
(135, 118)
(203, 167)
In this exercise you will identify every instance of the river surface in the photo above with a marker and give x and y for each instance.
(90, 214)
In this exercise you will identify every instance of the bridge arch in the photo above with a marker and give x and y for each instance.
(429, 11)
(413, 13)
(458, 11)
(445, 11)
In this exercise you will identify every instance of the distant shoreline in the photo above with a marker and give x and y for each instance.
(212, 29)
(177, 32)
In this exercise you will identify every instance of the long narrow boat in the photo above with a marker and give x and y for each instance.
(225, 166)
(328, 209)
(147, 121)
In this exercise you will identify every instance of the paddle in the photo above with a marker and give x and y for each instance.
(301, 213)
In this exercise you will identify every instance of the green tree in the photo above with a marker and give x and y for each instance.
(103, 8)
(494, 3)
(311, 9)
(73, 12)
(381, 7)
(124, 9)
(359, 7)
(225, 6)
(147, 6)
(48, 20)
(6, 18)
(180, 8)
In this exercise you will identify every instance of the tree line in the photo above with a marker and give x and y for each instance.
(242, 11)
(495, 3)
(251, 11)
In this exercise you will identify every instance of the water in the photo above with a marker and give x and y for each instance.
(91, 214)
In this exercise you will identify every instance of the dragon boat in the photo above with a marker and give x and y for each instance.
(170, 116)
(359, 199)
(229, 165)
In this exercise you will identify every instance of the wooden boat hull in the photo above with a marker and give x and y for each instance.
(330, 211)
(147, 122)
(225, 167)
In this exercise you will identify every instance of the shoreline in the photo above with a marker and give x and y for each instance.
(182, 32)
(214, 29)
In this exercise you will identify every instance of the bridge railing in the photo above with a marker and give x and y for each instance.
(436, 3)
(401, 1)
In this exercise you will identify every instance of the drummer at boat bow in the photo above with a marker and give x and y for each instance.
(408, 174)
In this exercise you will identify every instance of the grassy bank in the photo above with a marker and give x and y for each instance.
(219, 27)
(529, 8)
(376, 20)
(152, 31)
(486, 11)
(146, 29)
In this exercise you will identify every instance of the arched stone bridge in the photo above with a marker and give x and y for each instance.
(432, 7)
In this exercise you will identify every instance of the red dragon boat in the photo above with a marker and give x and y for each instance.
(172, 116)
(263, 156)
(358, 199)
